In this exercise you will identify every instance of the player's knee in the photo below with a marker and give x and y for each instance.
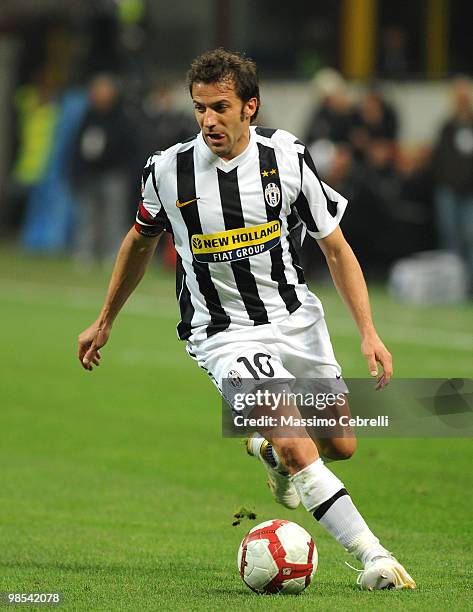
(339, 449)
(345, 451)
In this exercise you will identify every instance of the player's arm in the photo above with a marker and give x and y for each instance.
(132, 260)
(350, 283)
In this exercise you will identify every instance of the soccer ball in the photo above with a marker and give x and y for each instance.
(277, 557)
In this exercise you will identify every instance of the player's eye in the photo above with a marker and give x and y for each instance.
(199, 109)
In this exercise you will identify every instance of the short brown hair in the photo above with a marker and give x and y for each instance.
(221, 65)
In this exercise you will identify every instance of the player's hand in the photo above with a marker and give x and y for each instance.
(375, 352)
(90, 341)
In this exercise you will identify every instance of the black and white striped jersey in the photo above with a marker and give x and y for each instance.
(231, 223)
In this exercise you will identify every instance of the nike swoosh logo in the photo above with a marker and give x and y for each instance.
(181, 204)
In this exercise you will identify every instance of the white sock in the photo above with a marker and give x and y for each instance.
(324, 495)
(316, 484)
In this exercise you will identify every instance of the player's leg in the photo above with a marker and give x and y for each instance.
(309, 355)
(279, 480)
(341, 443)
(301, 473)
(327, 499)
(336, 449)
(307, 352)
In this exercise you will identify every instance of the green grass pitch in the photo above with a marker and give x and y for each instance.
(117, 489)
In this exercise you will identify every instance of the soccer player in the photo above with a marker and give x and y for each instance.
(230, 196)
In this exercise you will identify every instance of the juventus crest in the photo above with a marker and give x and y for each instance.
(272, 194)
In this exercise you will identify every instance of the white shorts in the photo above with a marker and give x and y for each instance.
(297, 348)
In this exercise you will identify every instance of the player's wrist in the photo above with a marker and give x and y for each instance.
(368, 334)
(106, 319)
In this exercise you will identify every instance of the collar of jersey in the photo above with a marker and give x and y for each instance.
(226, 166)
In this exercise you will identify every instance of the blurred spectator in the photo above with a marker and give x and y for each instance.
(36, 111)
(452, 164)
(389, 214)
(378, 196)
(380, 173)
(414, 208)
(48, 217)
(103, 156)
(162, 124)
(395, 193)
(343, 173)
(390, 190)
(375, 119)
(346, 176)
(356, 152)
(333, 118)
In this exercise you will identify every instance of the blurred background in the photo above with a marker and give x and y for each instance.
(379, 90)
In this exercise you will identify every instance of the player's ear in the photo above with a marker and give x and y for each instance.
(249, 108)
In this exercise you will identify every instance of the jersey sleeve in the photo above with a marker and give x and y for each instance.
(319, 206)
(151, 218)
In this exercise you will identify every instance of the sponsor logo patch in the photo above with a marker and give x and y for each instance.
(236, 244)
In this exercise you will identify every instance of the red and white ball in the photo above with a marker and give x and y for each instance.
(277, 556)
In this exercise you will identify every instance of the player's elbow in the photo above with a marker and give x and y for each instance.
(339, 252)
(332, 258)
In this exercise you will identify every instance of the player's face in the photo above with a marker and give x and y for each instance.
(223, 117)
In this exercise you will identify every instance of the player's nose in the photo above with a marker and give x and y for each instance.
(209, 118)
